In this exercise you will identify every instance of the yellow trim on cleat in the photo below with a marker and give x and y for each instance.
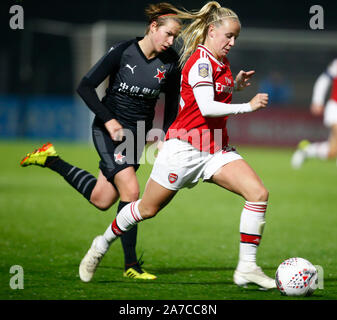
(133, 274)
(303, 144)
(39, 156)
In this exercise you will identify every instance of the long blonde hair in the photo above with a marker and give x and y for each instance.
(196, 32)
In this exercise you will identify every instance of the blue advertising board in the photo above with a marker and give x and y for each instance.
(48, 117)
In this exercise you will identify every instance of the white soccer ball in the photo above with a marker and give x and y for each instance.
(296, 277)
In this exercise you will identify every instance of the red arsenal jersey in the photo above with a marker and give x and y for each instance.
(205, 134)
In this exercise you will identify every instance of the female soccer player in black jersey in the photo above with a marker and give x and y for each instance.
(138, 70)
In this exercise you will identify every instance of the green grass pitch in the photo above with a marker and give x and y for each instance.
(192, 245)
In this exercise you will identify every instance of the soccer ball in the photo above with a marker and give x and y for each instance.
(296, 277)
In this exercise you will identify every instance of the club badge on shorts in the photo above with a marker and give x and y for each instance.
(172, 177)
(203, 69)
(119, 157)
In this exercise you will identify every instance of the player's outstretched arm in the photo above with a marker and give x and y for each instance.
(204, 96)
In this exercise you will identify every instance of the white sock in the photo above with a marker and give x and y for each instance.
(251, 229)
(125, 220)
(318, 150)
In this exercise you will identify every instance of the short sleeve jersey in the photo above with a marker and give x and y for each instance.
(205, 134)
(332, 73)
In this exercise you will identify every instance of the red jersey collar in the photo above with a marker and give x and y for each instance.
(200, 46)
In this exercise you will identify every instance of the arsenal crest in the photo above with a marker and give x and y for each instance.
(172, 177)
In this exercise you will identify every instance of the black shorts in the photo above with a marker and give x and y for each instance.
(116, 155)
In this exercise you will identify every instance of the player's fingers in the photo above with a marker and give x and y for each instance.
(264, 97)
(264, 102)
(249, 74)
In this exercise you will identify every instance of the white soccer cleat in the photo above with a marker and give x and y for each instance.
(253, 274)
(90, 262)
(297, 159)
(299, 155)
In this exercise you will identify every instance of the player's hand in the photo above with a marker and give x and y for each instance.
(259, 101)
(115, 129)
(243, 78)
(317, 109)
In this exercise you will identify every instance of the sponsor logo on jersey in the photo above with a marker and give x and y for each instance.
(219, 87)
(228, 81)
(203, 70)
(172, 177)
(131, 68)
(137, 91)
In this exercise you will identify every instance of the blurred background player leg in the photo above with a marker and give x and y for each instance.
(326, 149)
(318, 150)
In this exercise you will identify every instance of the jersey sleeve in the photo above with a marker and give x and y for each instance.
(107, 65)
(200, 73)
(172, 94)
(323, 83)
(332, 69)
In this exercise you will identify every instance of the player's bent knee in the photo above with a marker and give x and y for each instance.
(148, 212)
(103, 206)
(100, 203)
(260, 194)
(130, 196)
(129, 193)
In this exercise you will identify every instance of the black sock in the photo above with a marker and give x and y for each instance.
(81, 180)
(129, 240)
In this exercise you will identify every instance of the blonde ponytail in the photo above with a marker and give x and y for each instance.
(195, 33)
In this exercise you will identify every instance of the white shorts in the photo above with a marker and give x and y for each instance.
(179, 164)
(330, 113)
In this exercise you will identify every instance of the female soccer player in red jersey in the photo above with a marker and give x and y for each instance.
(196, 144)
